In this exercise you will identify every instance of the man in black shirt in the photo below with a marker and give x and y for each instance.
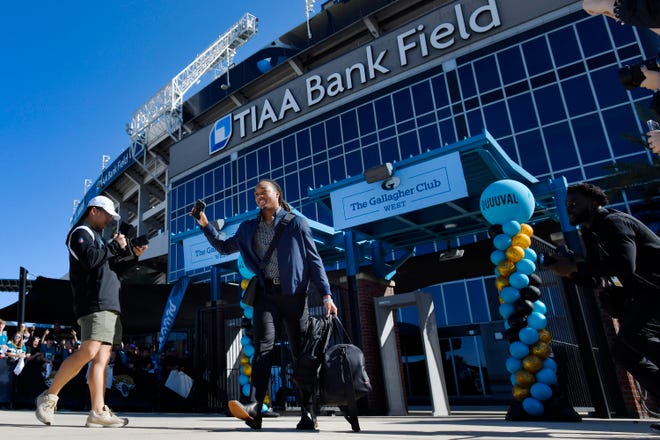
(93, 267)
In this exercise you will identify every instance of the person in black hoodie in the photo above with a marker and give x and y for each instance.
(93, 267)
(621, 261)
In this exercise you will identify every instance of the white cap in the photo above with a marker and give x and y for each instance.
(106, 204)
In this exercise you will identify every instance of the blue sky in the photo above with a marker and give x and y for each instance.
(73, 73)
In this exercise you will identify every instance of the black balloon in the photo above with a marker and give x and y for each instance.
(530, 293)
(494, 231)
(535, 280)
(517, 320)
(511, 335)
(523, 306)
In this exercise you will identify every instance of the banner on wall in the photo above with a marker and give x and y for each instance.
(198, 253)
(433, 182)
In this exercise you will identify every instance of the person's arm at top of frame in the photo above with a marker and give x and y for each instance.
(644, 13)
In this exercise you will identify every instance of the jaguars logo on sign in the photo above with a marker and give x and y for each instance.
(220, 134)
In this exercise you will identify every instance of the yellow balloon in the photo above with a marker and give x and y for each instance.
(541, 349)
(506, 268)
(526, 229)
(247, 370)
(501, 282)
(244, 284)
(520, 393)
(524, 378)
(267, 399)
(515, 253)
(244, 360)
(499, 298)
(521, 240)
(532, 363)
(545, 336)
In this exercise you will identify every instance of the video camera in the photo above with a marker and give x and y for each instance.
(129, 232)
(632, 76)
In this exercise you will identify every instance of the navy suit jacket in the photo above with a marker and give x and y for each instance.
(298, 260)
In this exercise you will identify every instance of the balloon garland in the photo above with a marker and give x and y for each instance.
(507, 205)
(247, 351)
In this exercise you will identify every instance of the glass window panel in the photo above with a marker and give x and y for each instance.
(366, 119)
(306, 177)
(511, 65)
(384, 112)
(208, 185)
(475, 122)
(591, 139)
(487, 77)
(389, 150)
(409, 145)
(456, 303)
(593, 36)
(578, 96)
(289, 147)
(440, 91)
(349, 125)
(291, 187)
(621, 35)
(447, 132)
(422, 98)
(549, 104)
(522, 112)
(608, 90)
(354, 163)
(466, 80)
(532, 154)
(276, 154)
(477, 301)
(565, 49)
(537, 56)
(497, 119)
(337, 169)
(333, 131)
(263, 160)
(429, 138)
(402, 105)
(509, 148)
(561, 149)
(371, 156)
(321, 175)
(621, 122)
(318, 138)
(303, 144)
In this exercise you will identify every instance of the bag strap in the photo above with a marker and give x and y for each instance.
(273, 243)
(336, 321)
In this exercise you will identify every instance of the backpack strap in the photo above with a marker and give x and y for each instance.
(273, 243)
(89, 231)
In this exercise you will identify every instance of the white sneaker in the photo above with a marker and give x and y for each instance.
(46, 406)
(105, 419)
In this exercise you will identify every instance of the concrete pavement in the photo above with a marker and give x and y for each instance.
(461, 425)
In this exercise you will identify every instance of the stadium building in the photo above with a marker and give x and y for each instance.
(370, 92)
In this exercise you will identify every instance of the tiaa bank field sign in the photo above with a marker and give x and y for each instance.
(433, 182)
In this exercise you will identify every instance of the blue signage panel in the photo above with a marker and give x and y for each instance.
(220, 134)
(198, 253)
(436, 181)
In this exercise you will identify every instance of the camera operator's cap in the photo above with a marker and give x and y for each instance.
(105, 204)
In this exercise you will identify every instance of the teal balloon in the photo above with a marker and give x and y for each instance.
(546, 376)
(507, 326)
(518, 350)
(513, 364)
(248, 312)
(506, 310)
(540, 307)
(550, 364)
(245, 390)
(530, 254)
(497, 256)
(511, 227)
(242, 268)
(536, 320)
(243, 379)
(506, 200)
(540, 391)
(248, 350)
(501, 242)
(518, 280)
(528, 335)
(510, 295)
(525, 266)
(245, 340)
(264, 407)
(533, 407)
(243, 305)
(512, 378)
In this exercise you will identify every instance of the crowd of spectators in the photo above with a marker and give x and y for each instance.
(136, 372)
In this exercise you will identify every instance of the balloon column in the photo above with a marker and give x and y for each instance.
(507, 205)
(245, 358)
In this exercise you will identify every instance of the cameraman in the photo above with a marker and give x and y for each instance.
(643, 13)
(619, 247)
